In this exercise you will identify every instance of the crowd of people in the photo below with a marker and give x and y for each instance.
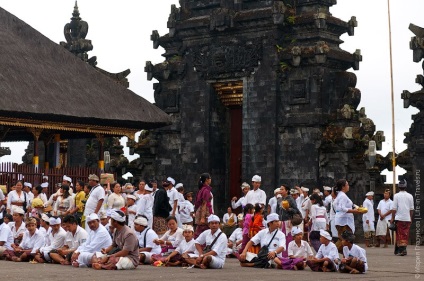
(111, 226)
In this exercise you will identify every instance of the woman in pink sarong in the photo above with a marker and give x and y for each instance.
(248, 212)
(203, 205)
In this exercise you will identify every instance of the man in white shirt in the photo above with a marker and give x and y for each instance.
(272, 237)
(245, 188)
(327, 198)
(272, 203)
(217, 241)
(236, 238)
(355, 260)
(172, 195)
(75, 237)
(327, 257)
(6, 237)
(402, 211)
(384, 209)
(145, 237)
(98, 239)
(95, 197)
(56, 240)
(305, 209)
(27, 189)
(257, 195)
(368, 219)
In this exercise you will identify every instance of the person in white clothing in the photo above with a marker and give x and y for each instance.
(257, 195)
(18, 225)
(45, 228)
(272, 237)
(187, 209)
(31, 241)
(75, 237)
(172, 196)
(319, 220)
(368, 219)
(186, 247)
(298, 252)
(98, 239)
(146, 236)
(132, 209)
(96, 197)
(28, 190)
(17, 198)
(241, 202)
(384, 208)
(327, 257)
(402, 212)
(355, 260)
(236, 239)
(6, 237)
(145, 205)
(272, 203)
(57, 239)
(229, 222)
(214, 256)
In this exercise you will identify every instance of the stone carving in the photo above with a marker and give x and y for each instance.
(75, 33)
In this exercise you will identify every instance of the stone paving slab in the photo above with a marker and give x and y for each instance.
(383, 265)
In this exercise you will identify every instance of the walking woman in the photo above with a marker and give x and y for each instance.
(203, 204)
(344, 212)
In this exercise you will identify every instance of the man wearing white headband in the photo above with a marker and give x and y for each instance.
(172, 195)
(214, 255)
(146, 236)
(68, 181)
(98, 239)
(27, 189)
(124, 239)
(257, 195)
(245, 188)
(272, 237)
(55, 241)
(327, 257)
(368, 220)
(145, 205)
(184, 249)
(96, 197)
(272, 203)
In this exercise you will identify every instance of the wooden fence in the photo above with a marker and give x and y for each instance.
(10, 173)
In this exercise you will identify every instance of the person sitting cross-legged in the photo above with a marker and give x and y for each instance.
(271, 237)
(56, 240)
(31, 241)
(327, 256)
(123, 253)
(183, 251)
(146, 237)
(355, 260)
(213, 255)
(75, 237)
(98, 239)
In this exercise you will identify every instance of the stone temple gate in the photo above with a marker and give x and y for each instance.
(258, 87)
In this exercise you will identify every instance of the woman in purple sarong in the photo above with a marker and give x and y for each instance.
(298, 251)
(248, 211)
(203, 204)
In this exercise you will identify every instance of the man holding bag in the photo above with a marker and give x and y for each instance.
(272, 241)
(213, 255)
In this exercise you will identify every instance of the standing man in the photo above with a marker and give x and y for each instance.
(95, 197)
(384, 209)
(368, 220)
(402, 208)
(327, 198)
(172, 195)
(257, 195)
(245, 188)
(272, 203)
(305, 209)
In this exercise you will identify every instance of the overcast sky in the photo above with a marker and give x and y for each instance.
(120, 32)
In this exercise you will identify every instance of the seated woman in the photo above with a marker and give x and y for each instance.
(32, 240)
(298, 252)
(327, 256)
(236, 238)
(65, 203)
(272, 237)
(355, 260)
(172, 238)
(229, 221)
(18, 224)
(186, 247)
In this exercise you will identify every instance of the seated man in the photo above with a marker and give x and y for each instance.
(236, 238)
(213, 255)
(355, 260)
(6, 238)
(298, 252)
(184, 249)
(145, 237)
(98, 239)
(55, 241)
(124, 246)
(75, 236)
(31, 242)
(272, 237)
(327, 257)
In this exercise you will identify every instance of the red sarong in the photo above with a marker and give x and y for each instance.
(402, 232)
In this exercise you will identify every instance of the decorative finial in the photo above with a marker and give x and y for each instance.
(76, 14)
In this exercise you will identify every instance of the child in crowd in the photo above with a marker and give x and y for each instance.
(355, 260)
(327, 257)
(298, 252)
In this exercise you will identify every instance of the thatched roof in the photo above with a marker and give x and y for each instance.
(41, 80)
